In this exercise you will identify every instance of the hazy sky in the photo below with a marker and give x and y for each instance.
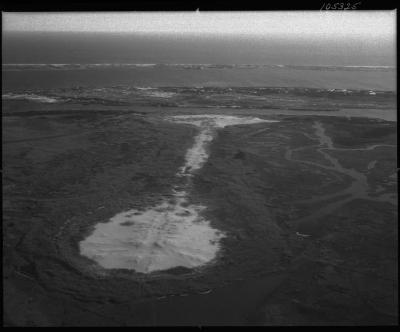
(336, 24)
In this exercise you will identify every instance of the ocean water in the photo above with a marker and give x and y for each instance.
(33, 61)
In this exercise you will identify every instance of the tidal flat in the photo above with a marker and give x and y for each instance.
(308, 206)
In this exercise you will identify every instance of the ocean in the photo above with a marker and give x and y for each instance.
(37, 61)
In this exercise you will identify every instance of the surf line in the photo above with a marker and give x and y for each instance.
(173, 233)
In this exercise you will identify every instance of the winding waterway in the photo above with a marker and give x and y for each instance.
(359, 187)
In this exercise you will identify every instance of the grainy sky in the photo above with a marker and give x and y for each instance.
(311, 24)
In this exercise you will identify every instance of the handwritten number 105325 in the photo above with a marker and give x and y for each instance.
(339, 6)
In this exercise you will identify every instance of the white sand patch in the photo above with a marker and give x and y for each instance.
(171, 234)
(217, 121)
(197, 155)
(160, 238)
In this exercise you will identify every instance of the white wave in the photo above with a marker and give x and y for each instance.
(145, 64)
(154, 92)
(171, 234)
(33, 97)
(213, 65)
(145, 88)
(388, 67)
(161, 94)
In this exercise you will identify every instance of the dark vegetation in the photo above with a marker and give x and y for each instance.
(64, 171)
